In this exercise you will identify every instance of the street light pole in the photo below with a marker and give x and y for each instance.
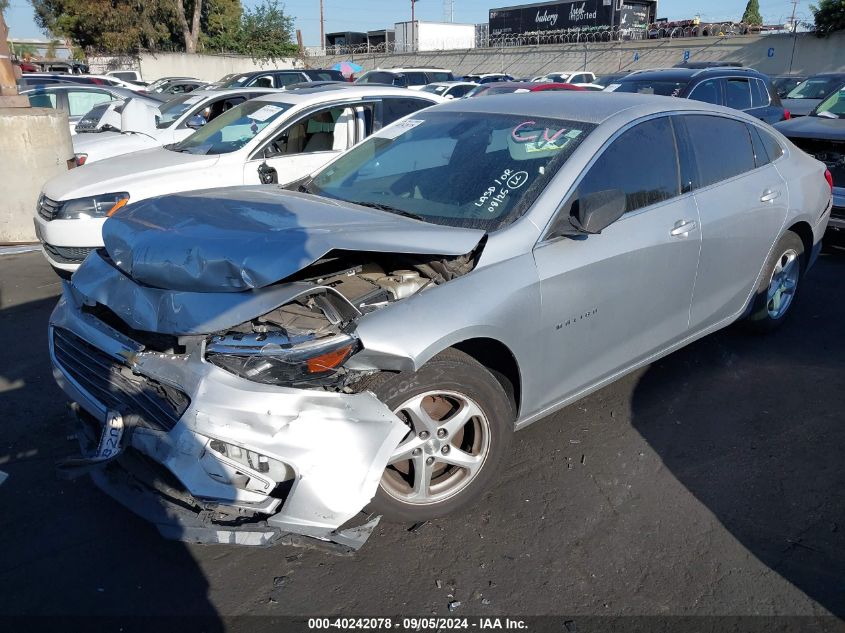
(322, 28)
(413, 26)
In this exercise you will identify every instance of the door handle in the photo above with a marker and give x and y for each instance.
(682, 228)
(769, 195)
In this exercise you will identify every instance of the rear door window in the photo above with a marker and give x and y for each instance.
(773, 147)
(738, 94)
(79, 102)
(721, 146)
(644, 182)
(761, 156)
(416, 79)
(393, 109)
(286, 79)
(440, 76)
(709, 91)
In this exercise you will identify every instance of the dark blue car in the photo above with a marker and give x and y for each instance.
(739, 88)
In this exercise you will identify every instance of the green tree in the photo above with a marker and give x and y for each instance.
(222, 25)
(4, 4)
(115, 26)
(829, 16)
(267, 32)
(752, 13)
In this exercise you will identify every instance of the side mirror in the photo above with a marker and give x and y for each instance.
(596, 211)
(196, 122)
(450, 96)
(592, 213)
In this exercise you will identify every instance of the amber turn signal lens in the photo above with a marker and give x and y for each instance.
(117, 205)
(329, 360)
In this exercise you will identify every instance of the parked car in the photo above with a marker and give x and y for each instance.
(505, 87)
(605, 80)
(31, 80)
(275, 78)
(739, 88)
(567, 77)
(822, 135)
(450, 89)
(802, 99)
(283, 359)
(413, 78)
(162, 82)
(77, 100)
(488, 78)
(131, 76)
(171, 122)
(784, 84)
(279, 137)
(179, 86)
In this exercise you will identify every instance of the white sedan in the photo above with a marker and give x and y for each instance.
(279, 137)
(173, 121)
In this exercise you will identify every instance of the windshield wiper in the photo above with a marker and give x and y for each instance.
(389, 209)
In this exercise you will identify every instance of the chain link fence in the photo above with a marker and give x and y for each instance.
(658, 31)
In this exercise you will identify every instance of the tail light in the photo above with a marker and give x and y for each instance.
(829, 177)
(787, 115)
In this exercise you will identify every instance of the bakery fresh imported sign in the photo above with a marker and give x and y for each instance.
(550, 16)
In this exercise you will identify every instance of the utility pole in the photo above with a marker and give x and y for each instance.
(794, 7)
(413, 27)
(794, 35)
(322, 28)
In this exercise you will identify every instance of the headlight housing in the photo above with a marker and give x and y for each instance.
(93, 207)
(273, 358)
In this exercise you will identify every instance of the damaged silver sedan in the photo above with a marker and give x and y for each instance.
(252, 365)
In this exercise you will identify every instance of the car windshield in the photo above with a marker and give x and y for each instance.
(815, 88)
(467, 169)
(171, 110)
(649, 87)
(233, 129)
(436, 89)
(833, 107)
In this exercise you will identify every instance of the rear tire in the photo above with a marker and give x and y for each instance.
(460, 425)
(778, 285)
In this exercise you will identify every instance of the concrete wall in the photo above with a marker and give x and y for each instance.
(811, 55)
(35, 145)
(205, 67)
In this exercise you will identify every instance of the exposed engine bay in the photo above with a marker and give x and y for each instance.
(305, 342)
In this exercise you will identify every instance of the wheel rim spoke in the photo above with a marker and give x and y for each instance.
(462, 459)
(460, 418)
(422, 478)
(420, 419)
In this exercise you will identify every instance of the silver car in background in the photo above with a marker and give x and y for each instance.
(253, 363)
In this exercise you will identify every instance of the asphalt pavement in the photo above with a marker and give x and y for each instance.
(710, 483)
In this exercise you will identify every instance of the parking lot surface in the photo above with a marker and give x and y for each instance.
(709, 483)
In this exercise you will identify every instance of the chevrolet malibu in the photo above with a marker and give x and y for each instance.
(251, 365)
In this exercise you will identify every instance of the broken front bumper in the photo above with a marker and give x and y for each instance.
(331, 448)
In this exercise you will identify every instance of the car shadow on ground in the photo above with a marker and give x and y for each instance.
(767, 463)
(67, 550)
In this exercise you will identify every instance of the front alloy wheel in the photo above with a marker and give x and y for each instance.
(460, 423)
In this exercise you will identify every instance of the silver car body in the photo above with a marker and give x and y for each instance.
(573, 315)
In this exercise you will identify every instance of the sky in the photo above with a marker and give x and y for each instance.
(367, 15)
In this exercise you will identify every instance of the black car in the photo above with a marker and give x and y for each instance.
(739, 88)
(802, 99)
(275, 78)
(822, 134)
(784, 84)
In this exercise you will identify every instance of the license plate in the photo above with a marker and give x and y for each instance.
(110, 439)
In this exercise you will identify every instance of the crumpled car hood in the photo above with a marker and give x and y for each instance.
(813, 127)
(242, 238)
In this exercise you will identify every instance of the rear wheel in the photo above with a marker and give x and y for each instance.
(460, 424)
(779, 284)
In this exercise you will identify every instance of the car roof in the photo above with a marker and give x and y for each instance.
(317, 95)
(223, 92)
(687, 74)
(405, 69)
(584, 106)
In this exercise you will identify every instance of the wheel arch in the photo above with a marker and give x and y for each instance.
(804, 231)
(497, 358)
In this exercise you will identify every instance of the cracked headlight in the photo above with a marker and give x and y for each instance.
(94, 207)
(273, 358)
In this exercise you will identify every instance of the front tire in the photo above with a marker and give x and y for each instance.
(779, 284)
(460, 424)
